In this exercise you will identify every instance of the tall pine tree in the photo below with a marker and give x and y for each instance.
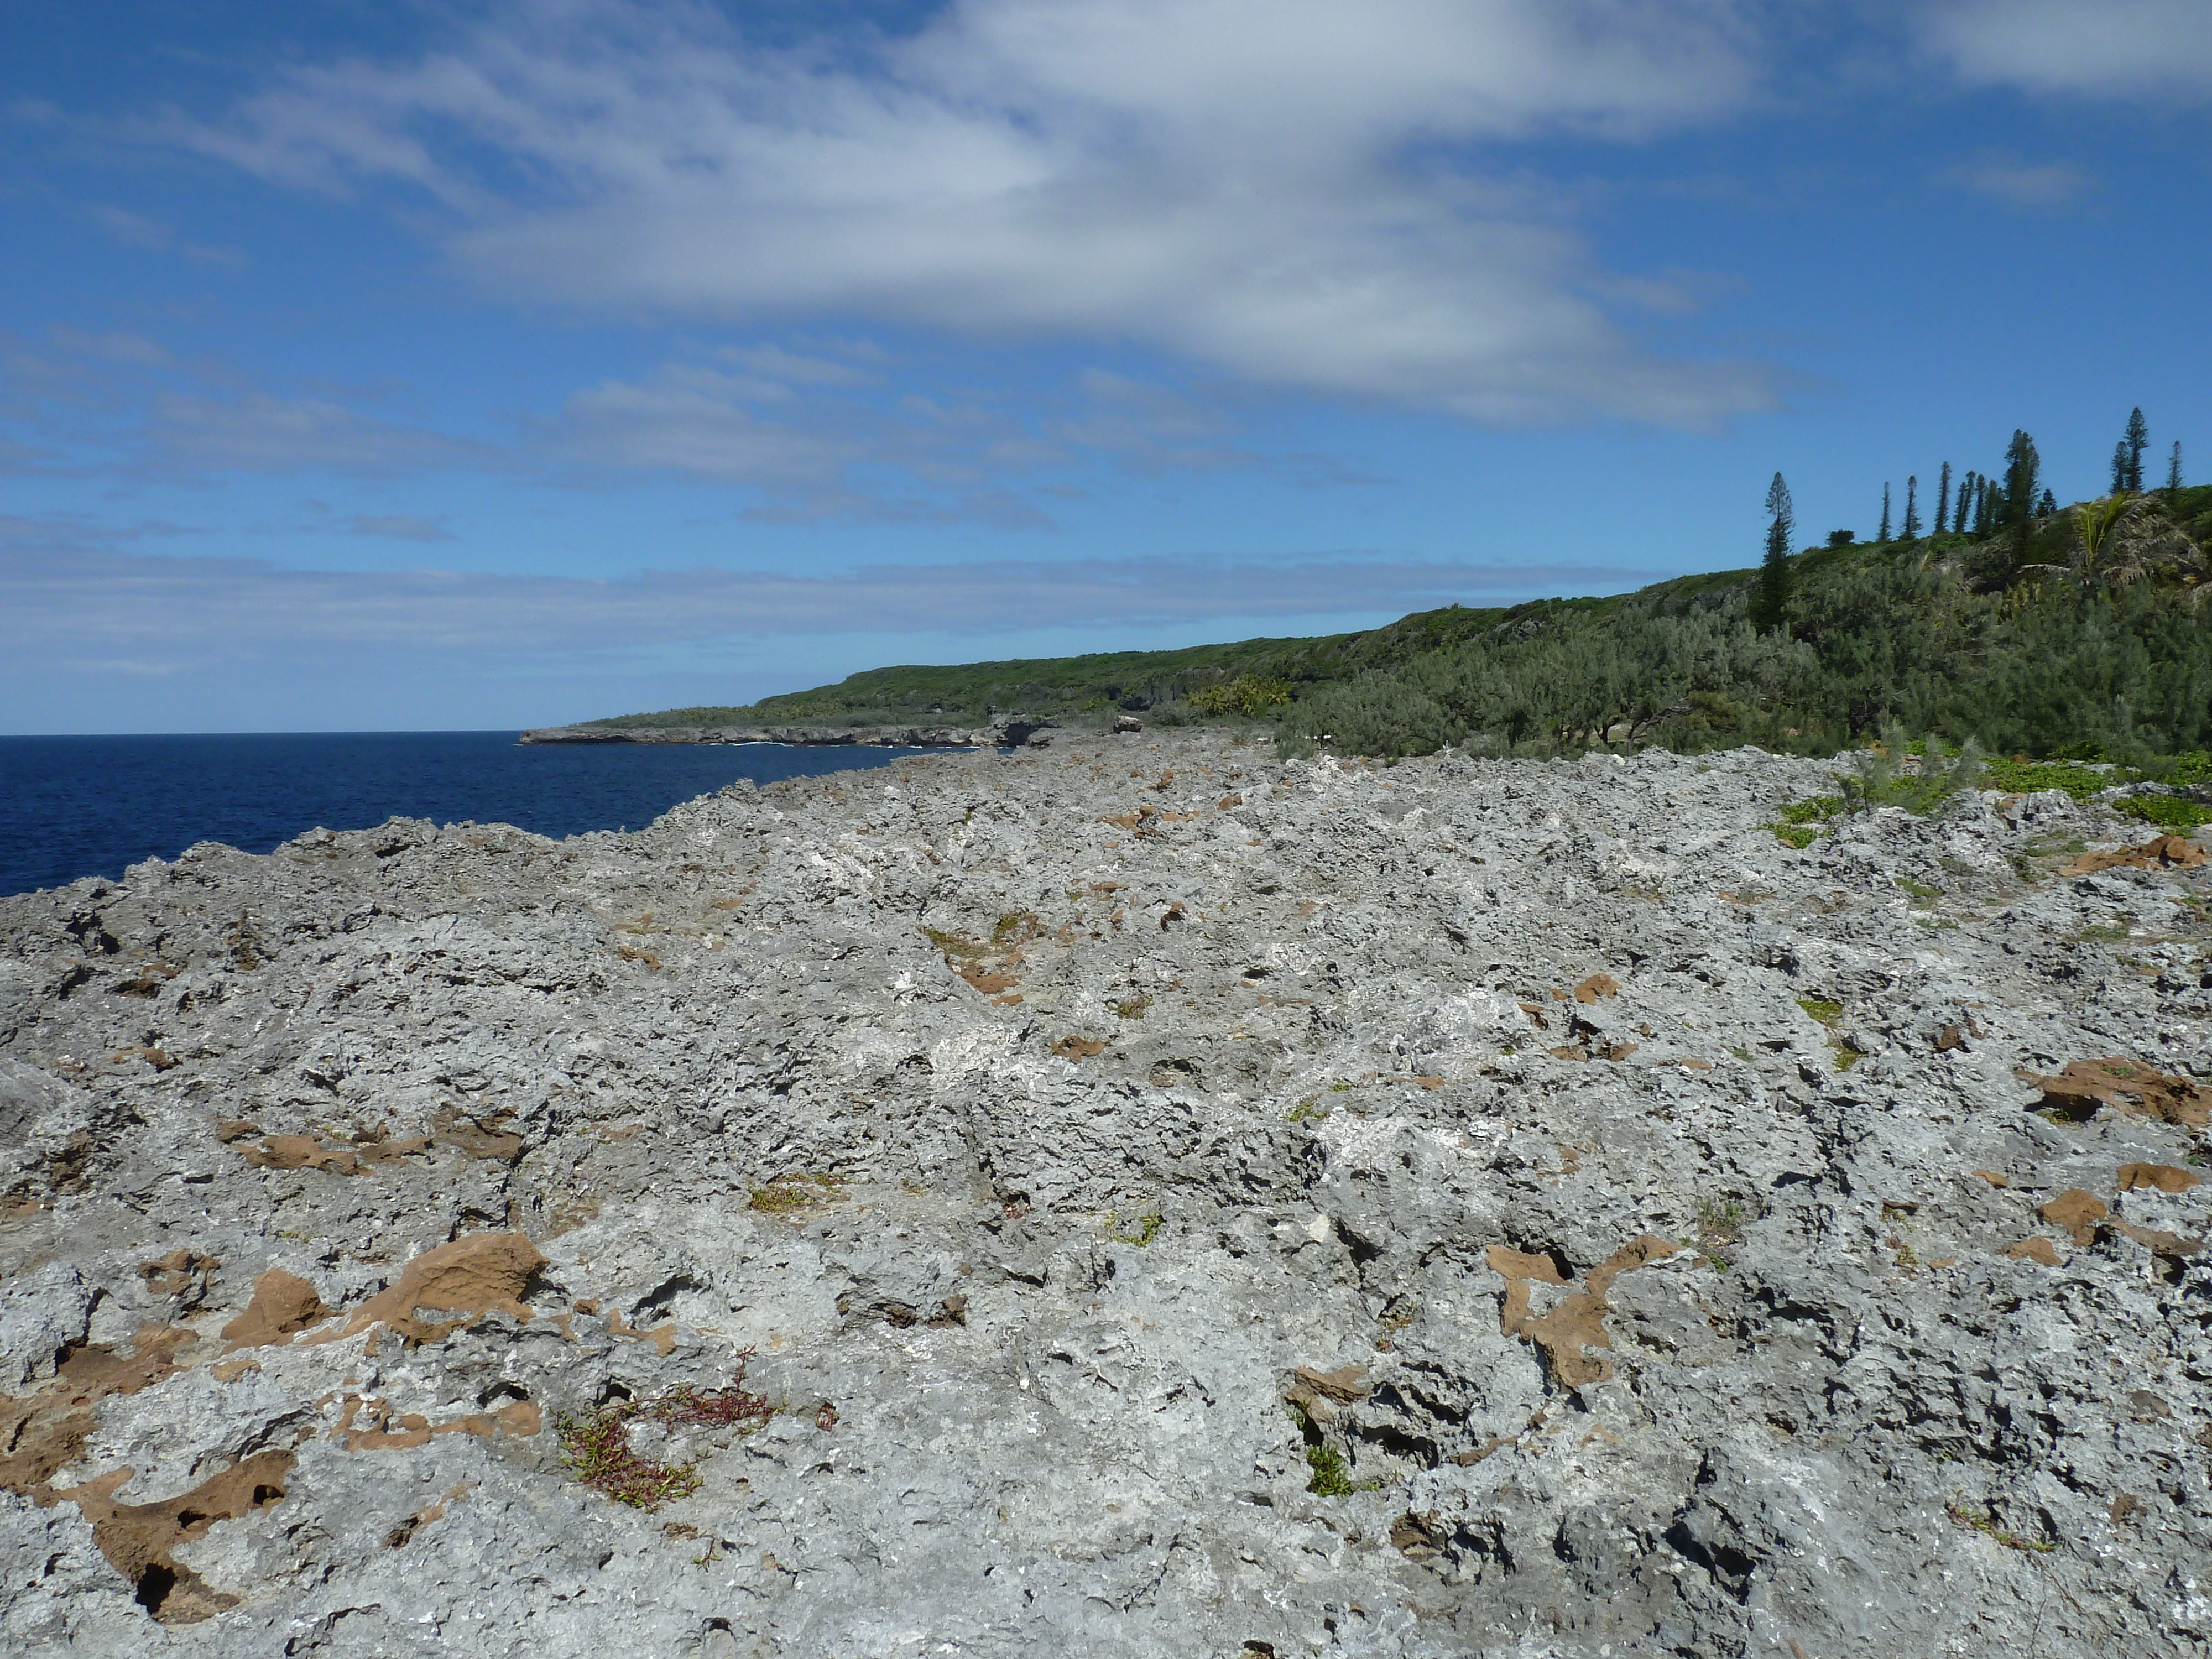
(1943, 500)
(1913, 507)
(2023, 483)
(2120, 466)
(1983, 505)
(2173, 473)
(1884, 535)
(1770, 600)
(1960, 525)
(2136, 441)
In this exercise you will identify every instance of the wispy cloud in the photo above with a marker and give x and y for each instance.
(1290, 195)
(2113, 48)
(72, 592)
(2023, 185)
(260, 431)
(137, 230)
(398, 526)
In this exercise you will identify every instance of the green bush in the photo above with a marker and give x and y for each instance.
(2172, 812)
(1942, 636)
(2025, 777)
(1249, 694)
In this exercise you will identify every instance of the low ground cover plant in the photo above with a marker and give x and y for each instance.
(597, 1444)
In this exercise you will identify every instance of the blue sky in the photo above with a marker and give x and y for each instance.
(385, 365)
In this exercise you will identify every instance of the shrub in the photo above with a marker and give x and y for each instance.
(1249, 694)
(2173, 812)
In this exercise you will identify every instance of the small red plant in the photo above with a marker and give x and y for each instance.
(596, 1446)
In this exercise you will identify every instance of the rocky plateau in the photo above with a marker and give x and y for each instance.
(1134, 1197)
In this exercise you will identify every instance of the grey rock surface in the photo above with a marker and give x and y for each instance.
(1139, 1198)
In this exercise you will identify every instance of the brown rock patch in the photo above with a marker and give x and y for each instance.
(663, 1337)
(2159, 853)
(2037, 1249)
(47, 1431)
(284, 1305)
(471, 1277)
(180, 1273)
(137, 1538)
(2173, 1246)
(2160, 1177)
(1076, 1048)
(384, 1431)
(1566, 1334)
(2086, 1086)
(2076, 1210)
(1596, 986)
(1523, 1264)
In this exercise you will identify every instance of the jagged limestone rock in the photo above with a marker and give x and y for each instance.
(1139, 1197)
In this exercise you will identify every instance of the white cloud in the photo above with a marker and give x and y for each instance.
(2105, 48)
(1286, 192)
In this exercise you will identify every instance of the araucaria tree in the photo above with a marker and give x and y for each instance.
(1884, 535)
(1770, 600)
(2023, 482)
(2174, 472)
(1943, 499)
(1912, 507)
(2136, 441)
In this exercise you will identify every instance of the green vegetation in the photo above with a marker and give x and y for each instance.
(788, 1194)
(1330, 1477)
(1986, 1525)
(1249, 694)
(2026, 777)
(1100, 684)
(1720, 1225)
(597, 1445)
(1142, 1231)
(1801, 819)
(2068, 635)
(2169, 813)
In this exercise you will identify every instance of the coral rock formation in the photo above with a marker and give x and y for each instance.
(1136, 1197)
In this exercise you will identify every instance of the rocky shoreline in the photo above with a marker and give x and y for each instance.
(1013, 733)
(1141, 1198)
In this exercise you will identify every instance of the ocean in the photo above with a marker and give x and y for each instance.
(90, 806)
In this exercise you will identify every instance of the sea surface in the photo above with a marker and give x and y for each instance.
(88, 806)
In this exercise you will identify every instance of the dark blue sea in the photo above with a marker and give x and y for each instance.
(88, 806)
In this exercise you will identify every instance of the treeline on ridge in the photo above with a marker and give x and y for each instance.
(2028, 628)
(2080, 633)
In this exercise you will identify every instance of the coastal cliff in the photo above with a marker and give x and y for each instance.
(1142, 1198)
